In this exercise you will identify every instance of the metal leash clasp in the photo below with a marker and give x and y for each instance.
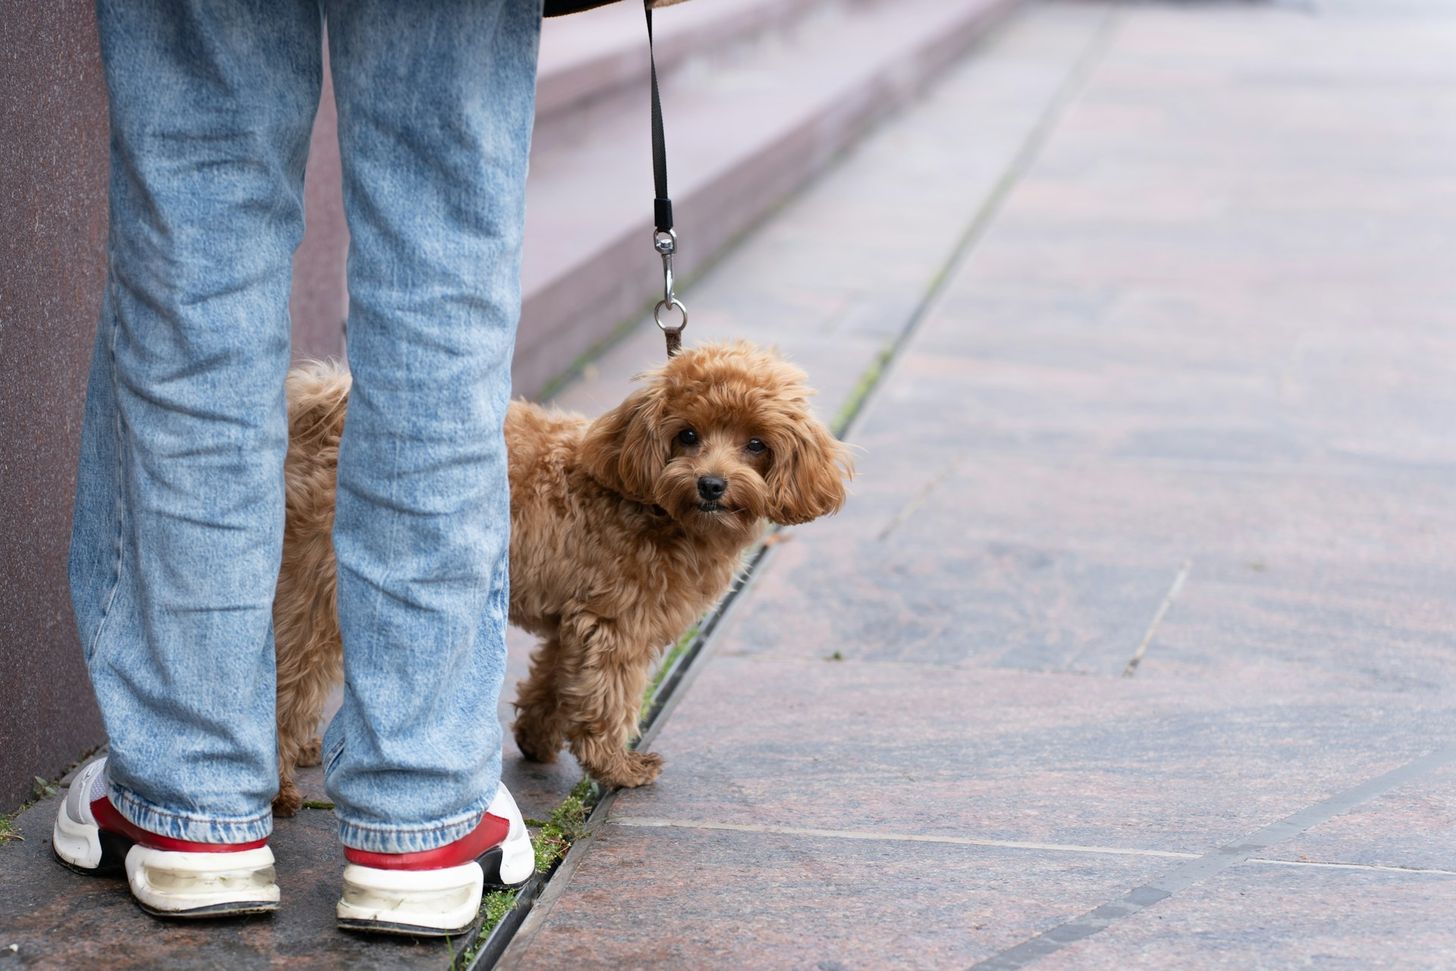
(665, 242)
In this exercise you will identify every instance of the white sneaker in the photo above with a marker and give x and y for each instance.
(168, 877)
(435, 893)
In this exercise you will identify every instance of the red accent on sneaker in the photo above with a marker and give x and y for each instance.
(112, 821)
(490, 833)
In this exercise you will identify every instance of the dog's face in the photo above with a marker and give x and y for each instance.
(721, 437)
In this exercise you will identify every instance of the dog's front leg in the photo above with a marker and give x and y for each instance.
(600, 684)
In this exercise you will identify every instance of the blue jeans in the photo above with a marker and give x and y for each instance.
(179, 507)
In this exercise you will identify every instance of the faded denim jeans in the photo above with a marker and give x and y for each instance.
(179, 508)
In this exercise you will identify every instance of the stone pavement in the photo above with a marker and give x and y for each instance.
(1136, 645)
(1133, 644)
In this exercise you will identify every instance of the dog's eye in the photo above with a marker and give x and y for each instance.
(687, 437)
(756, 446)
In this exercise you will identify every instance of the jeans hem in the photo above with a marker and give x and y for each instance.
(415, 838)
(187, 826)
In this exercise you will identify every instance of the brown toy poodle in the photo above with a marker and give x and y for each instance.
(624, 530)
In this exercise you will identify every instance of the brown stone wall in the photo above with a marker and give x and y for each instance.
(53, 135)
(319, 301)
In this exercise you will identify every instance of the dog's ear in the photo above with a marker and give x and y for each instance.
(624, 449)
(808, 472)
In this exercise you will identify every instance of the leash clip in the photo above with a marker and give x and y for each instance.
(665, 242)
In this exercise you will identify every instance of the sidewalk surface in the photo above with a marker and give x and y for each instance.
(1151, 548)
(1135, 646)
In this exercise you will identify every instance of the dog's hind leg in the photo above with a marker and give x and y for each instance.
(307, 671)
(311, 753)
(539, 727)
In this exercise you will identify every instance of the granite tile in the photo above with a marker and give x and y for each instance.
(990, 603)
(1334, 578)
(1412, 826)
(1349, 626)
(1173, 764)
(657, 898)
(1253, 916)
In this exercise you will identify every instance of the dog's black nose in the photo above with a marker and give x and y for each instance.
(712, 487)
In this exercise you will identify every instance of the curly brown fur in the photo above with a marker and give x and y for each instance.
(614, 549)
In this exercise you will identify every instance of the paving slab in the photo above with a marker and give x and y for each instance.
(1411, 827)
(723, 899)
(1171, 765)
(1336, 577)
(1256, 917)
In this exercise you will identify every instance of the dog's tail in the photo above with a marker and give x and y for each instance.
(318, 396)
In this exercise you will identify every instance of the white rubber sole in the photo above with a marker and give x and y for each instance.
(432, 903)
(172, 884)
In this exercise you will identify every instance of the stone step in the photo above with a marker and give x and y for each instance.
(747, 123)
(589, 56)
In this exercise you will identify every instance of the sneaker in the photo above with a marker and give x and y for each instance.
(436, 893)
(168, 877)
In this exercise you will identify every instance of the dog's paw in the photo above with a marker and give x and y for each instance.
(311, 753)
(631, 769)
(536, 743)
(288, 801)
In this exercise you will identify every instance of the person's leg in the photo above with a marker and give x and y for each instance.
(179, 507)
(435, 110)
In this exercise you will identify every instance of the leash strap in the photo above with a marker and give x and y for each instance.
(664, 240)
(662, 205)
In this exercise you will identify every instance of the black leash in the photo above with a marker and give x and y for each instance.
(664, 240)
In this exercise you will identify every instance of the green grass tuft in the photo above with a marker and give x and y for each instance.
(668, 660)
(862, 388)
(493, 907)
(555, 835)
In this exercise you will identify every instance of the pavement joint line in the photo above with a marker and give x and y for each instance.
(910, 508)
(1168, 598)
(970, 665)
(1210, 864)
(1337, 865)
(658, 822)
(964, 246)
